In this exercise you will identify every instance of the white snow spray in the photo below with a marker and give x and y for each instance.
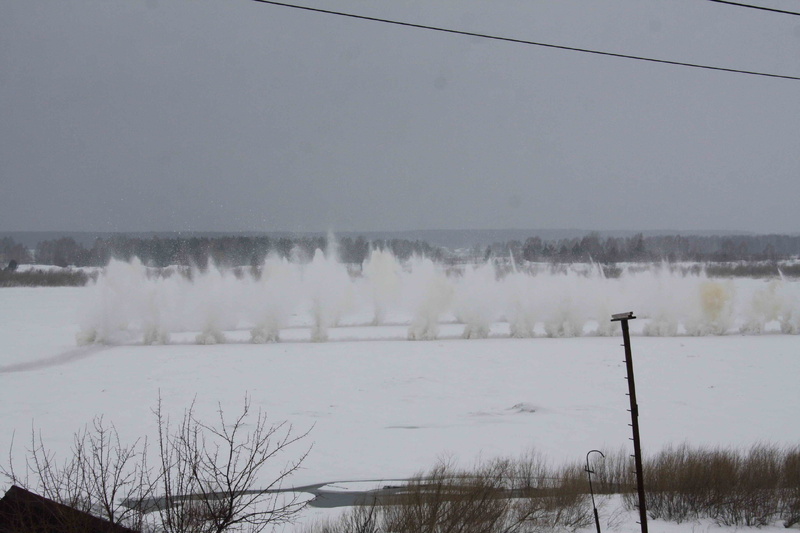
(429, 293)
(308, 298)
(272, 300)
(383, 273)
(328, 288)
(477, 301)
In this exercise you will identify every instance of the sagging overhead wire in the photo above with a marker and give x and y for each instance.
(750, 6)
(526, 42)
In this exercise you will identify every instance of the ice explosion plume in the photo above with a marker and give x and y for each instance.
(307, 300)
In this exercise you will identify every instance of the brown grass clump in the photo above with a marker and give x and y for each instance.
(45, 278)
(734, 488)
(510, 496)
(751, 488)
(790, 487)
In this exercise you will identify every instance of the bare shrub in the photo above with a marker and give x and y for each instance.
(753, 499)
(211, 475)
(210, 478)
(683, 484)
(614, 474)
(564, 505)
(99, 474)
(359, 519)
(510, 496)
(45, 278)
(449, 500)
(733, 488)
(790, 487)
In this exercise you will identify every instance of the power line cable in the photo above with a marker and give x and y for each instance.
(750, 6)
(530, 43)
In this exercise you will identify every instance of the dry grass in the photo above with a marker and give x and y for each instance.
(752, 488)
(524, 495)
(755, 487)
(790, 486)
(45, 278)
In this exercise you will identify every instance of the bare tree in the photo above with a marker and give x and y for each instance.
(226, 476)
(96, 478)
(222, 477)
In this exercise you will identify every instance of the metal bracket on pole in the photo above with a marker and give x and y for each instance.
(623, 318)
(589, 473)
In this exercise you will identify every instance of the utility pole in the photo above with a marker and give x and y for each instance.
(623, 318)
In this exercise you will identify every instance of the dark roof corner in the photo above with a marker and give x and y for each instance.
(22, 511)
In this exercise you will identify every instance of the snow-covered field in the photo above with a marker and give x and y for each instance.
(380, 406)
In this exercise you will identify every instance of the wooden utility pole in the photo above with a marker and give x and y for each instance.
(623, 318)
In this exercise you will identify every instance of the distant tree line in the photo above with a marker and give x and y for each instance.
(639, 248)
(226, 251)
(13, 251)
(247, 250)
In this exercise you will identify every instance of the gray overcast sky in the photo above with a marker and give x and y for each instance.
(140, 115)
